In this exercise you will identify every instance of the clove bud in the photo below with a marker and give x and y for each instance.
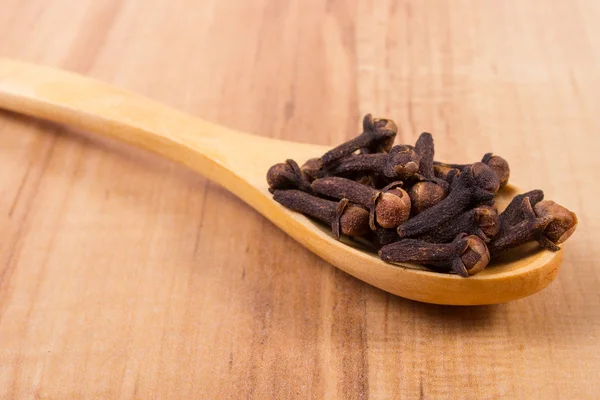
(424, 195)
(513, 213)
(465, 255)
(445, 172)
(563, 222)
(476, 184)
(287, 175)
(431, 190)
(498, 164)
(378, 136)
(386, 208)
(400, 163)
(381, 237)
(548, 223)
(311, 169)
(482, 221)
(349, 219)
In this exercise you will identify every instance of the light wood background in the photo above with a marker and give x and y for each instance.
(125, 276)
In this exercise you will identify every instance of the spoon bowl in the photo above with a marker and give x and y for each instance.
(239, 162)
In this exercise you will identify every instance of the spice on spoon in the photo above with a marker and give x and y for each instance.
(447, 221)
(445, 172)
(425, 195)
(465, 255)
(287, 175)
(430, 190)
(476, 185)
(311, 169)
(498, 164)
(387, 209)
(400, 163)
(548, 223)
(563, 222)
(381, 237)
(346, 218)
(378, 136)
(482, 221)
(513, 213)
(425, 150)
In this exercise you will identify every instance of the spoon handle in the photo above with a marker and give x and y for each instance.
(90, 105)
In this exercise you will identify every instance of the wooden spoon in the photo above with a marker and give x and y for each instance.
(239, 162)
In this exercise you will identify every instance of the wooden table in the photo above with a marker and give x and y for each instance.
(126, 276)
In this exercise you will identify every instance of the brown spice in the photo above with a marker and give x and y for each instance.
(424, 147)
(547, 223)
(466, 255)
(476, 184)
(498, 164)
(311, 169)
(424, 195)
(430, 190)
(387, 209)
(401, 163)
(445, 172)
(513, 213)
(563, 222)
(287, 175)
(349, 219)
(451, 206)
(482, 221)
(381, 237)
(378, 136)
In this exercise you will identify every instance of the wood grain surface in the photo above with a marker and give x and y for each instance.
(126, 276)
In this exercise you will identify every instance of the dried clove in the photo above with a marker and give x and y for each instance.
(498, 164)
(445, 172)
(482, 221)
(311, 169)
(287, 175)
(476, 184)
(548, 223)
(424, 147)
(378, 136)
(430, 190)
(465, 255)
(425, 150)
(386, 208)
(349, 219)
(366, 179)
(374, 180)
(513, 213)
(447, 220)
(401, 163)
(381, 237)
(424, 195)
(563, 224)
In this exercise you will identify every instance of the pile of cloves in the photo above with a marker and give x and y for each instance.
(412, 208)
